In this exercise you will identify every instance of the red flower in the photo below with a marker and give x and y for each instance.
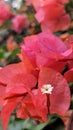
(19, 22)
(36, 89)
(55, 102)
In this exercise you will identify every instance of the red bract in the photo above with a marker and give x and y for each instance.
(51, 15)
(5, 13)
(7, 109)
(17, 83)
(6, 74)
(45, 49)
(34, 105)
(19, 23)
(59, 98)
(10, 71)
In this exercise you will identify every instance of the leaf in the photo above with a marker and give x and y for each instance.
(1, 53)
(51, 120)
(57, 125)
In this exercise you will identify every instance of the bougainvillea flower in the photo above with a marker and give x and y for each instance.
(51, 14)
(19, 22)
(48, 79)
(60, 20)
(36, 101)
(5, 13)
(31, 86)
(28, 102)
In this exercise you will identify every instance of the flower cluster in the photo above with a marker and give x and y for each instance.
(18, 21)
(34, 84)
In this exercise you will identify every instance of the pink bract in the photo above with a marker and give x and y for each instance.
(51, 14)
(47, 50)
(19, 22)
(5, 13)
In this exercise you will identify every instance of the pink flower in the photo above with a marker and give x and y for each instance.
(5, 13)
(19, 23)
(45, 49)
(51, 14)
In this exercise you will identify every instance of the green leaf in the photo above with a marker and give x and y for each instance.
(1, 53)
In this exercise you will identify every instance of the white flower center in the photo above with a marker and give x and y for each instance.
(47, 88)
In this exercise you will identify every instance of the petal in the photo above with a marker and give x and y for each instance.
(21, 113)
(15, 91)
(7, 109)
(33, 106)
(20, 84)
(9, 71)
(27, 80)
(27, 63)
(49, 42)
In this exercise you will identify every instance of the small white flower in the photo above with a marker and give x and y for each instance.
(16, 4)
(47, 88)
